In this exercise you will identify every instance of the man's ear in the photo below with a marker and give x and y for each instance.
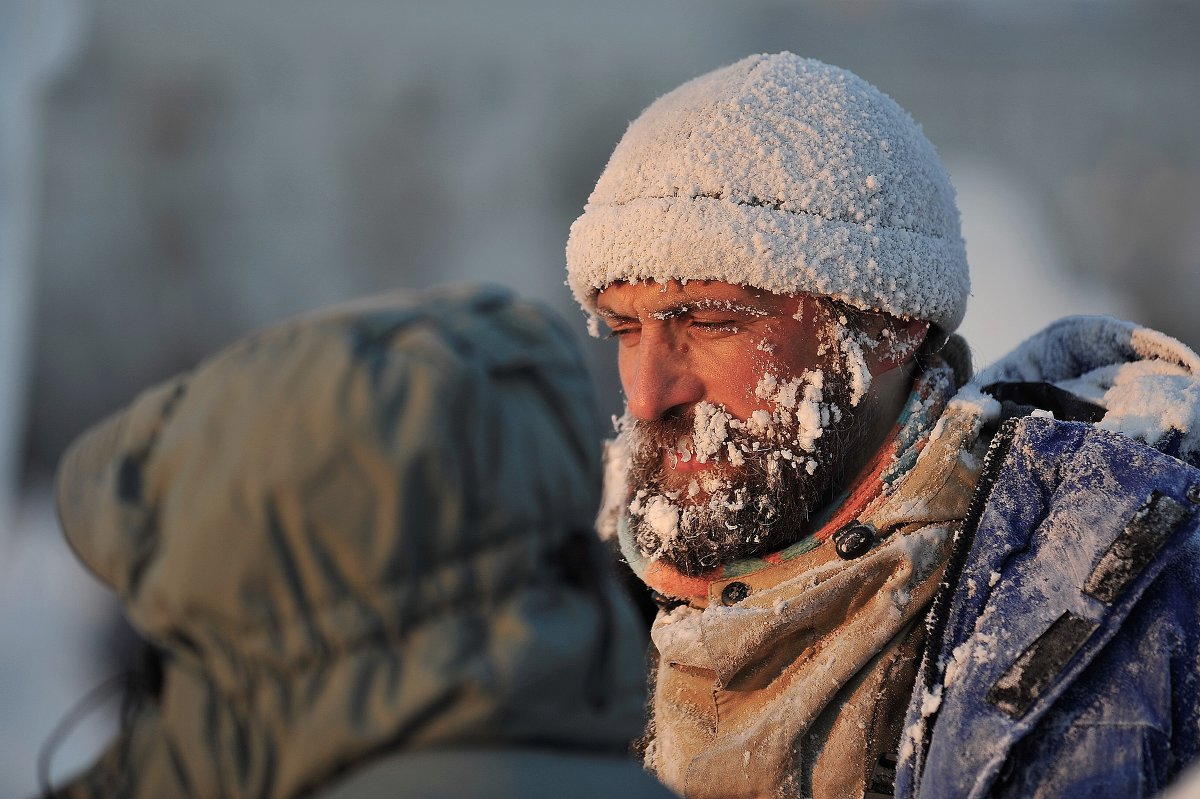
(899, 340)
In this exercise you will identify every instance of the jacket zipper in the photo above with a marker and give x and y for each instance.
(932, 666)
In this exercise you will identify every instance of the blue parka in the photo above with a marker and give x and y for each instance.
(1064, 648)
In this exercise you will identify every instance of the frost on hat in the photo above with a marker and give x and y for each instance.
(785, 174)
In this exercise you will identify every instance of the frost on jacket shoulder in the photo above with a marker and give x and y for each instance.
(359, 532)
(1064, 642)
(1146, 384)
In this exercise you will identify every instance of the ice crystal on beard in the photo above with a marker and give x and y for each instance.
(711, 430)
(714, 520)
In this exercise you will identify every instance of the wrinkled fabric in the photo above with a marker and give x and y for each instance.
(1111, 709)
(1120, 717)
(520, 774)
(744, 695)
(798, 687)
(356, 532)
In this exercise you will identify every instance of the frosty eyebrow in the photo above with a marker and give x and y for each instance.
(612, 317)
(683, 307)
(712, 304)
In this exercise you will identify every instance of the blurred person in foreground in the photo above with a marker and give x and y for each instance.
(877, 576)
(360, 546)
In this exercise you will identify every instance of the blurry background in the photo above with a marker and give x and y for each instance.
(173, 174)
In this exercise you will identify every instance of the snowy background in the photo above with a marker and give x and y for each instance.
(173, 174)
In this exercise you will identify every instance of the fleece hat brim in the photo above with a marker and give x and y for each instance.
(784, 174)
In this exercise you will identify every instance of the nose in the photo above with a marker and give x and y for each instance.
(658, 376)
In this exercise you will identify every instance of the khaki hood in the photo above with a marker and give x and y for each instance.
(360, 530)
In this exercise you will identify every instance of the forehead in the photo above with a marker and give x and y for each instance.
(629, 299)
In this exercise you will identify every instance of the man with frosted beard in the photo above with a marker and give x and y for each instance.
(876, 575)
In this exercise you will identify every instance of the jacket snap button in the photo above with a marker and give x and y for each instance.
(734, 593)
(853, 540)
(1193, 493)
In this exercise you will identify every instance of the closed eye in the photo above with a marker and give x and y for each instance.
(716, 326)
(626, 334)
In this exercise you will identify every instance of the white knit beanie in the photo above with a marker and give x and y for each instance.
(785, 174)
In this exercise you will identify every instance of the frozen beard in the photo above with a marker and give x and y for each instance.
(765, 475)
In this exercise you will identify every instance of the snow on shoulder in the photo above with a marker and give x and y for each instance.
(1148, 382)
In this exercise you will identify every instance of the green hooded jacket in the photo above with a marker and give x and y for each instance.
(361, 541)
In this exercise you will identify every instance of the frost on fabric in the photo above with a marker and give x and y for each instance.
(970, 403)
(830, 188)
(1155, 345)
(924, 550)
(980, 648)
(1076, 345)
(1148, 382)
(676, 614)
(931, 700)
(677, 633)
(912, 733)
(1145, 400)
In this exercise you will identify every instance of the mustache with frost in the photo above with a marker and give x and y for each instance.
(768, 475)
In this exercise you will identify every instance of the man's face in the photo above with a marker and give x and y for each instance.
(742, 407)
